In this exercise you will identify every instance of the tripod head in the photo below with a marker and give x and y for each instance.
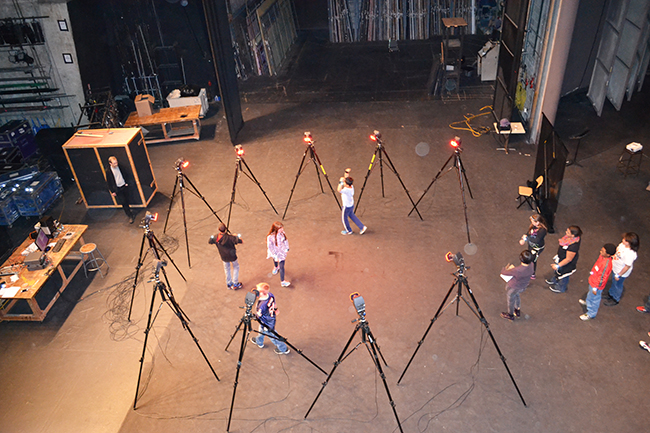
(459, 261)
(307, 138)
(359, 305)
(376, 136)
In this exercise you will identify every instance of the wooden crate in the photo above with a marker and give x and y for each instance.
(87, 153)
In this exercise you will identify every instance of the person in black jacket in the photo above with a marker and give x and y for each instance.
(117, 178)
(225, 243)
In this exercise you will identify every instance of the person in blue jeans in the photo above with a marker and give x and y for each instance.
(626, 253)
(565, 260)
(267, 311)
(597, 281)
(347, 212)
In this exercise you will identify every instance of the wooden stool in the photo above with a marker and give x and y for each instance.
(630, 162)
(90, 261)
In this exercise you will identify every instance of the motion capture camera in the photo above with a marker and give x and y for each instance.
(250, 299)
(458, 260)
(181, 163)
(148, 218)
(359, 303)
(307, 137)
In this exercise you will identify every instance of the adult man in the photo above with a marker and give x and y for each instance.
(116, 177)
(347, 212)
(597, 281)
(517, 283)
(267, 311)
(226, 246)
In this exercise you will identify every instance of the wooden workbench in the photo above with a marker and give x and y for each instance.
(31, 282)
(169, 124)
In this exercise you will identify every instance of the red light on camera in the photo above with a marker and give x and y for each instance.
(373, 137)
(154, 217)
(185, 164)
(449, 256)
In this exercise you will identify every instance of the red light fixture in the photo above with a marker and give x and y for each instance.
(455, 143)
(239, 150)
(154, 217)
(185, 164)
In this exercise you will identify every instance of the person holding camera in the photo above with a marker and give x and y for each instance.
(347, 212)
(225, 244)
(266, 312)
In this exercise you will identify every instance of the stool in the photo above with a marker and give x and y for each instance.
(630, 162)
(90, 261)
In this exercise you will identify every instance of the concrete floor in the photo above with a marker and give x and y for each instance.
(77, 371)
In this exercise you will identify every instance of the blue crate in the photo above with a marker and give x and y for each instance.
(8, 210)
(35, 196)
(13, 131)
(17, 176)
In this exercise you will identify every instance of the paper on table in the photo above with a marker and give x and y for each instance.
(9, 292)
(506, 278)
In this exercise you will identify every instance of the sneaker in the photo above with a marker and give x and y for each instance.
(641, 309)
(585, 317)
(345, 232)
(285, 284)
(363, 230)
(555, 289)
(532, 277)
(508, 316)
(277, 351)
(551, 282)
(237, 286)
(644, 345)
(254, 340)
(230, 287)
(582, 302)
(610, 302)
(517, 312)
(275, 271)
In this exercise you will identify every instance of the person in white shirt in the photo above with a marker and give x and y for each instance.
(347, 212)
(626, 254)
(118, 186)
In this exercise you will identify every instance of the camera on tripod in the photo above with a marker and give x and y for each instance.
(148, 218)
(181, 163)
(359, 304)
(308, 138)
(458, 260)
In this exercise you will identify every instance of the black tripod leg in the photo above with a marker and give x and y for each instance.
(365, 180)
(494, 341)
(181, 316)
(232, 194)
(374, 341)
(461, 174)
(435, 317)
(137, 272)
(232, 337)
(187, 241)
(252, 177)
(431, 184)
(394, 170)
(244, 338)
(326, 177)
(312, 158)
(336, 364)
(374, 349)
(462, 168)
(144, 347)
(171, 202)
(284, 340)
(295, 181)
(157, 245)
(199, 195)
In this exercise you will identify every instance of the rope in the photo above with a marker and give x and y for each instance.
(464, 125)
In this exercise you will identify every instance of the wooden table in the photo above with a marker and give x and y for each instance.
(515, 128)
(31, 282)
(177, 123)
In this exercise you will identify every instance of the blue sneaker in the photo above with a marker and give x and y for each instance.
(345, 232)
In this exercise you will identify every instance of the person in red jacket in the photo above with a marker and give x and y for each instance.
(597, 281)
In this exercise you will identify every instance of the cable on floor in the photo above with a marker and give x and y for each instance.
(476, 132)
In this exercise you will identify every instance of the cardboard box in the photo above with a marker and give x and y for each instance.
(144, 105)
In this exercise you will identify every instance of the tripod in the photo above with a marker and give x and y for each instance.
(313, 157)
(245, 326)
(154, 244)
(180, 178)
(459, 283)
(373, 350)
(380, 151)
(239, 168)
(460, 170)
(166, 296)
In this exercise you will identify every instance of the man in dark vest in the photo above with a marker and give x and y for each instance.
(116, 177)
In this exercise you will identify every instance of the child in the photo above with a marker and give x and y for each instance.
(518, 282)
(266, 312)
(598, 280)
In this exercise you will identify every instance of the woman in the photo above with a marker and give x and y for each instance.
(626, 254)
(277, 247)
(565, 260)
(535, 238)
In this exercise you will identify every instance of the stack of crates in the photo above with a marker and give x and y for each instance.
(8, 210)
(18, 135)
(34, 196)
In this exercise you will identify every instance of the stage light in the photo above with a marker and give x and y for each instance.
(376, 135)
(307, 137)
(456, 142)
(239, 150)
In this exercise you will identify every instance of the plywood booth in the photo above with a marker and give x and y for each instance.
(87, 153)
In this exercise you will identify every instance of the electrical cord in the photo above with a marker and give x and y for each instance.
(476, 132)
